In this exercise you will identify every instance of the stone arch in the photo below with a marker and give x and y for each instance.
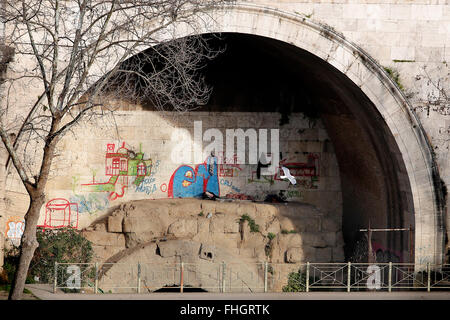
(357, 65)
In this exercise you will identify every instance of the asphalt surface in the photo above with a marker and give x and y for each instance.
(45, 292)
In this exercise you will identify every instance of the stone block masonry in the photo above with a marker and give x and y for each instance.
(409, 36)
(114, 173)
(219, 236)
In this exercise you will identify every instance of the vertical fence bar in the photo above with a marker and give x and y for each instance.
(230, 272)
(55, 282)
(139, 278)
(181, 276)
(393, 277)
(223, 276)
(390, 277)
(265, 276)
(349, 275)
(307, 277)
(96, 278)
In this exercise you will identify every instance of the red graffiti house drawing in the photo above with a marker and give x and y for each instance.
(120, 165)
(300, 169)
(60, 213)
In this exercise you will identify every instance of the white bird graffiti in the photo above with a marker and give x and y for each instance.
(287, 175)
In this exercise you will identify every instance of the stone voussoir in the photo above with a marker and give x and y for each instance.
(105, 238)
(115, 223)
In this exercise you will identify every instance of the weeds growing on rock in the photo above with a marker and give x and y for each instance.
(251, 222)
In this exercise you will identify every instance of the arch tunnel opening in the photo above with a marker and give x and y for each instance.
(363, 180)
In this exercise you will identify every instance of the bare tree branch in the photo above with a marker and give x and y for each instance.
(77, 54)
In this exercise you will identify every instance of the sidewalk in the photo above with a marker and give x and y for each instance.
(45, 292)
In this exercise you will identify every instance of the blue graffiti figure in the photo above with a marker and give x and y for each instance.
(187, 182)
(212, 184)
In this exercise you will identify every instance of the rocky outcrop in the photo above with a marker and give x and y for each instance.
(204, 234)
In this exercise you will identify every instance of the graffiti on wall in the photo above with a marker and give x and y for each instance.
(228, 167)
(291, 193)
(60, 213)
(120, 165)
(385, 255)
(189, 182)
(261, 179)
(306, 173)
(148, 185)
(311, 168)
(15, 227)
(90, 203)
(228, 183)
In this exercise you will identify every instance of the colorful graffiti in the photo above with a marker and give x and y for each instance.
(229, 184)
(90, 203)
(189, 182)
(262, 179)
(155, 168)
(231, 169)
(60, 213)
(310, 168)
(147, 186)
(120, 165)
(288, 194)
(15, 226)
(306, 173)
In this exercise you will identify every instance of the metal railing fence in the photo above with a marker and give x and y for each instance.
(248, 277)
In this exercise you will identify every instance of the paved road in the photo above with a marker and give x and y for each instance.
(45, 292)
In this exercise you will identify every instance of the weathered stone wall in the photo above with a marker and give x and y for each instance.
(204, 234)
(410, 37)
(305, 148)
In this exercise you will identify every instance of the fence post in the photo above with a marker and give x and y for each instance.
(349, 275)
(96, 278)
(181, 276)
(307, 277)
(265, 276)
(139, 278)
(390, 277)
(223, 276)
(55, 283)
(429, 277)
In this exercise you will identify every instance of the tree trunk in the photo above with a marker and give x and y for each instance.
(29, 241)
(28, 245)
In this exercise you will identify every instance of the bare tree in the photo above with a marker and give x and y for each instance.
(76, 53)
